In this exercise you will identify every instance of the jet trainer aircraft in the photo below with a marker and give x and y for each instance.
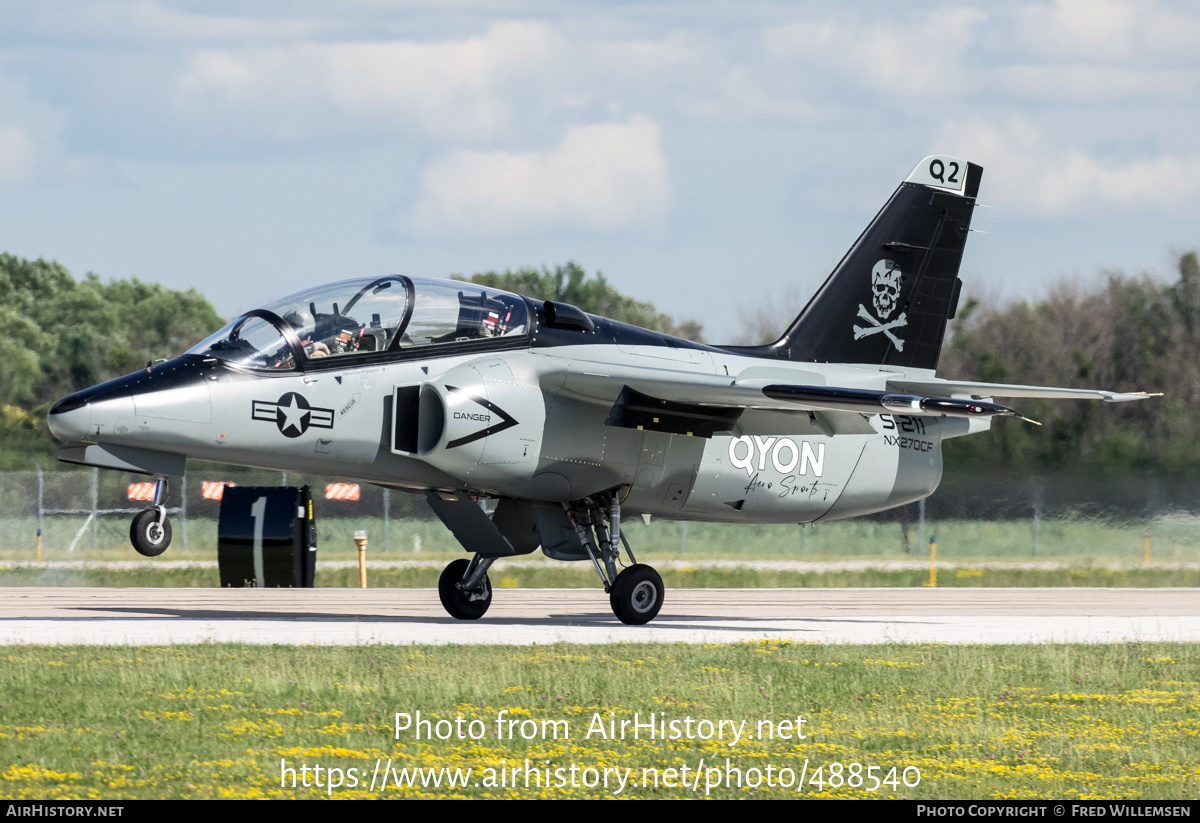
(562, 422)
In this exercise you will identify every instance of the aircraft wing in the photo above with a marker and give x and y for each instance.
(964, 388)
(701, 405)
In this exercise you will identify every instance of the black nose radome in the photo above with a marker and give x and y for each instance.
(70, 418)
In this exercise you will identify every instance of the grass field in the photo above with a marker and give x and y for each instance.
(1061, 722)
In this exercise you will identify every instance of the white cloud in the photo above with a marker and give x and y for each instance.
(918, 58)
(1092, 29)
(740, 94)
(451, 88)
(600, 178)
(1027, 171)
(152, 20)
(18, 155)
(1132, 32)
(1085, 85)
(152, 79)
(1069, 51)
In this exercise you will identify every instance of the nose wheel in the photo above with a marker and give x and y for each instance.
(150, 531)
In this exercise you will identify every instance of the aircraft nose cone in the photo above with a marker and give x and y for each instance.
(70, 419)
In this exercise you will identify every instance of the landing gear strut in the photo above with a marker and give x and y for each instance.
(635, 593)
(150, 532)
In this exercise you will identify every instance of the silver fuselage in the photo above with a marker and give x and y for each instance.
(773, 467)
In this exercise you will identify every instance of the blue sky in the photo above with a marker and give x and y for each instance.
(715, 158)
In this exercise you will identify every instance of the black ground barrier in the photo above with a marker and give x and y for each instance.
(267, 537)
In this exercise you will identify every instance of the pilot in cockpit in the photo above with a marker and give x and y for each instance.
(301, 321)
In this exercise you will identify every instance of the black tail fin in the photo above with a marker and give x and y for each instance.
(889, 299)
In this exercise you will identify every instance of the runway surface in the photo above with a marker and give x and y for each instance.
(524, 616)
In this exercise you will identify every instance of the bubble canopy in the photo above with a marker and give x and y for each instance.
(368, 317)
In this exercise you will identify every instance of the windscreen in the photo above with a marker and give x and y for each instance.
(248, 341)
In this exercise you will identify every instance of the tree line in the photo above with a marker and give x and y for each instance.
(1132, 333)
(59, 335)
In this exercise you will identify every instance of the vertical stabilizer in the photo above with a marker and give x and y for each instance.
(888, 301)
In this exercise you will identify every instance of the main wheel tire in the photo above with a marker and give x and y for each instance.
(148, 539)
(637, 595)
(455, 601)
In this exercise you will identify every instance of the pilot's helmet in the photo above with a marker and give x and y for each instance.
(301, 320)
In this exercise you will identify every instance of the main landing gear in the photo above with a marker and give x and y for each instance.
(637, 595)
(150, 532)
(464, 588)
(635, 592)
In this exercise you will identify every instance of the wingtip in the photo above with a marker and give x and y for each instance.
(1125, 397)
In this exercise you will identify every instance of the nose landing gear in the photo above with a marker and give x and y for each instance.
(150, 532)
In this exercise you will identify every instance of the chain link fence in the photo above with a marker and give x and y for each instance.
(82, 511)
(91, 509)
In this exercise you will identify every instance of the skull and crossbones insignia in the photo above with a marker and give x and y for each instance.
(885, 293)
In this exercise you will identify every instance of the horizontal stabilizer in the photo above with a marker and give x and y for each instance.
(962, 388)
(875, 402)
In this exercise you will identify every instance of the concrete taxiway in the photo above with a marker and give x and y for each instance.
(523, 616)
